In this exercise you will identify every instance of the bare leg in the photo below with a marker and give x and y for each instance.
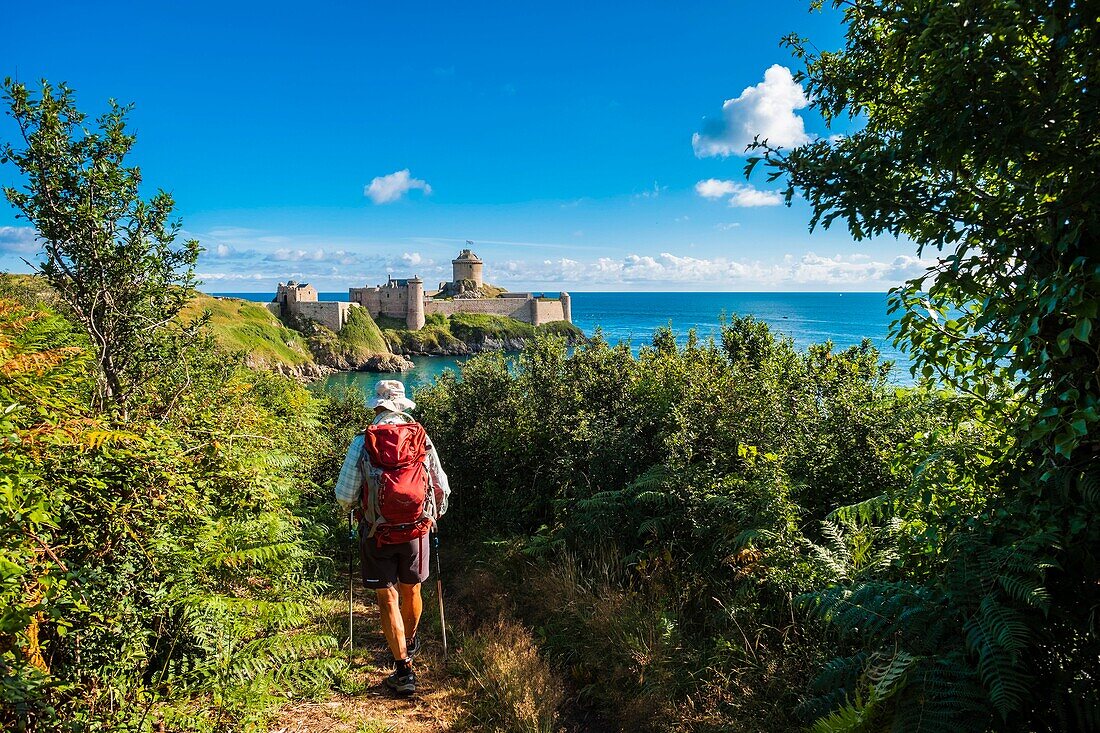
(411, 607)
(392, 625)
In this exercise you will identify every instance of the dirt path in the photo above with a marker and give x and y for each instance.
(372, 708)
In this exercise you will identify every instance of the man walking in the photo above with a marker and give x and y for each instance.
(392, 477)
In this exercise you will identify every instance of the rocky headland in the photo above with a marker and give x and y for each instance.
(307, 350)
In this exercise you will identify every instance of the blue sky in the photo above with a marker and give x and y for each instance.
(581, 146)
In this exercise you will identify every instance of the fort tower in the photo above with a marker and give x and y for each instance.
(414, 318)
(467, 266)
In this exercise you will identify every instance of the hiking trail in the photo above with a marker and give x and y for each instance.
(370, 707)
(441, 703)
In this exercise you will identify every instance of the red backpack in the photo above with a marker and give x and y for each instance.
(396, 506)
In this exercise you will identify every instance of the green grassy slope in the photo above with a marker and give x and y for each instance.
(361, 335)
(359, 340)
(241, 325)
(33, 292)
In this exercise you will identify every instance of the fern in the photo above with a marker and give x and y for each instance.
(852, 717)
(996, 635)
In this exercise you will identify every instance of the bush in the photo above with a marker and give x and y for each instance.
(147, 564)
(701, 473)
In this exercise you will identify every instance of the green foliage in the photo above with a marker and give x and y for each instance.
(357, 341)
(248, 328)
(110, 255)
(151, 563)
(693, 475)
(431, 339)
(479, 326)
(977, 138)
(361, 335)
(981, 153)
(462, 332)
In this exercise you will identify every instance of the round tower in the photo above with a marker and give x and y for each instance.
(414, 315)
(566, 306)
(467, 266)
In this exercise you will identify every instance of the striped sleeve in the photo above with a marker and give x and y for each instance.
(350, 481)
(440, 486)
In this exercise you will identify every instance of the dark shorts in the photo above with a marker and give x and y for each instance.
(384, 566)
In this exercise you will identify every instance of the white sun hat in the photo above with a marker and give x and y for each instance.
(390, 394)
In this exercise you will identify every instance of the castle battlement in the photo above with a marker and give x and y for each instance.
(405, 299)
(299, 300)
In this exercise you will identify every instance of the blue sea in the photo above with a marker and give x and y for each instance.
(845, 319)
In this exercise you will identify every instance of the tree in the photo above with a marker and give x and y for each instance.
(979, 139)
(111, 255)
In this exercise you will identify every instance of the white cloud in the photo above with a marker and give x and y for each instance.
(740, 194)
(233, 276)
(18, 241)
(412, 258)
(747, 197)
(296, 255)
(390, 188)
(713, 188)
(767, 110)
(854, 269)
(632, 268)
(338, 256)
(808, 271)
(231, 232)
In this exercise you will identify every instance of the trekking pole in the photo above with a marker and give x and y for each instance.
(439, 590)
(351, 586)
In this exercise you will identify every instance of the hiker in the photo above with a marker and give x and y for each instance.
(393, 480)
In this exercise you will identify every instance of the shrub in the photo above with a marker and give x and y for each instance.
(512, 689)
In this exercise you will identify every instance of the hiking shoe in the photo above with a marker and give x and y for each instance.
(412, 646)
(403, 683)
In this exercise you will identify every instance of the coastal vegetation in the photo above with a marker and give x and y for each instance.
(358, 343)
(724, 534)
(251, 329)
(465, 333)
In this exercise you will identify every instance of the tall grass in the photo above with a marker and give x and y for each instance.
(513, 690)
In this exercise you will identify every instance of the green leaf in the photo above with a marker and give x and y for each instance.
(1082, 330)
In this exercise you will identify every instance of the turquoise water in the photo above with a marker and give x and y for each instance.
(425, 372)
(808, 318)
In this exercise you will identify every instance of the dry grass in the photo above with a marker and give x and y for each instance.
(513, 690)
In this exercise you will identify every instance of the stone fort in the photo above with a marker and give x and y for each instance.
(406, 299)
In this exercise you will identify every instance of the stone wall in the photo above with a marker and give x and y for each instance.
(394, 301)
(518, 308)
(546, 311)
(386, 301)
(332, 315)
(528, 310)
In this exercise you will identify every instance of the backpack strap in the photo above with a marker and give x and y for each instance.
(368, 494)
